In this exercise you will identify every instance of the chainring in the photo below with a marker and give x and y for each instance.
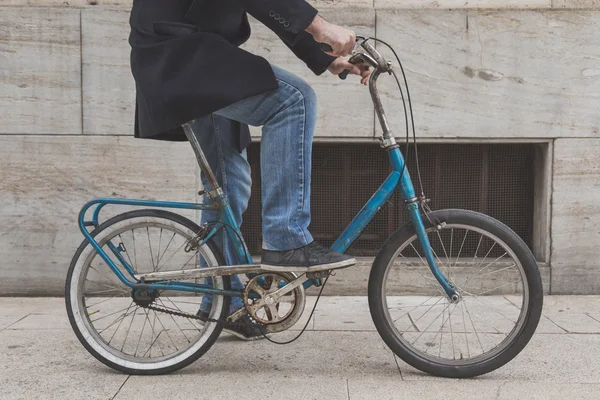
(274, 315)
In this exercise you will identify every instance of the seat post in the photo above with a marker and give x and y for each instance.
(202, 161)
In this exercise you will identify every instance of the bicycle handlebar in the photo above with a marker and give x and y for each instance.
(370, 56)
(328, 49)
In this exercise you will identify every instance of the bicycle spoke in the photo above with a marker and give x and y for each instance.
(127, 254)
(172, 255)
(441, 338)
(116, 330)
(189, 259)
(415, 307)
(445, 253)
(439, 261)
(154, 340)
(108, 315)
(450, 251)
(141, 333)
(128, 329)
(158, 251)
(100, 302)
(430, 281)
(499, 270)
(190, 320)
(474, 329)
(151, 254)
(152, 334)
(105, 291)
(489, 323)
(428, 326)
(163, 330)
(426, 264)
(440, 331)
(164, 251)
(482, 330)
(492, 289)
(461, 246)
(111, 288)
(176, 323)
(134, 250)
(478, 244)
(169, 336)
(119, 318)
(102, 275)
(478, 268)
(451, 334)
(465, 328)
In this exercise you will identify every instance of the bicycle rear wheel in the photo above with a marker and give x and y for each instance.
(499, 287)
(122, 331)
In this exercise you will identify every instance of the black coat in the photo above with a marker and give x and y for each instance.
(187, 64)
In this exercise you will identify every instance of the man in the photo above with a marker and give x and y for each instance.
(187, 66)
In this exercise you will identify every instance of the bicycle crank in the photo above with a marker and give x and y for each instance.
(265, 305)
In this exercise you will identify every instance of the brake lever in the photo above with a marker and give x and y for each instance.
(328, 49)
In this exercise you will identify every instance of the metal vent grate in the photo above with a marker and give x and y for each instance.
(496, 179)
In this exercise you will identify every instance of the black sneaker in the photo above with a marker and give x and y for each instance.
(310, 258)
(243, 328)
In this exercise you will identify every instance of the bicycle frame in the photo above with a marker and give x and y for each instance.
(398, 178)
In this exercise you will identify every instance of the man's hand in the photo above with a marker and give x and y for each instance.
(340, 39)
(340, 64)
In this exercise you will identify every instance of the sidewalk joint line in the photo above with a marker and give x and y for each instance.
(120, 387)
(19, 320)
(588, 314)
(556, 324)
(500, 388)
(397, 365)
(347, 389)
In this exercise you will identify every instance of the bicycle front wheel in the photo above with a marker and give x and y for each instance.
(123, 329)
(499, 287)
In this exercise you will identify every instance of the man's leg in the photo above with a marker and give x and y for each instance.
(288, 117)
(232, 171)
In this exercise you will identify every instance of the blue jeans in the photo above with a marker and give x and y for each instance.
(288, 117)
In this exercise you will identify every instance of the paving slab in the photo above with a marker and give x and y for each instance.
(36, 322)
(52, 365)
(41, 358)
(21, 306)
(314, 355)
(548, 391)
(575, 304)
(233, 386)
(574, 322)
(6, 322)
(546, 358)
(399, 390)
(343, 314)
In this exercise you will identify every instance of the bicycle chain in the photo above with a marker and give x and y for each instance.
(192, 316)
(181, 314)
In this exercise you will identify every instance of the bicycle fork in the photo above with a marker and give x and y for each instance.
(412, 202)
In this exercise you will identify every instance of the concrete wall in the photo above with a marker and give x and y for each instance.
(478, 70)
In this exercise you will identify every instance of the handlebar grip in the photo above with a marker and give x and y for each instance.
(326, 48)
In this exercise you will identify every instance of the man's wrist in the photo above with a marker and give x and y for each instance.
(316, 26)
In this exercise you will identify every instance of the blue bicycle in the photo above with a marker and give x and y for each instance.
(453, 293)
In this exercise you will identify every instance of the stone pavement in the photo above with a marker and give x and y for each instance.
(341, 356)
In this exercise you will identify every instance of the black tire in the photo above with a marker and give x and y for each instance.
(153, 214)
(385, 328)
